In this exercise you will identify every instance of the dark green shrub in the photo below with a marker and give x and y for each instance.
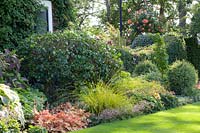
(62, 60)
(131, 57)
(142, 40)
(175, 46)
(145, 67)
(195, 21)
(169, 101)
(128, 59)
(18, 19)
(193, 52)
(182, 78)
(63, 13)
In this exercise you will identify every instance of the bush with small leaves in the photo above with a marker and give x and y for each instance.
(142, 40)
(176, 48)
(145, 67)
(63, 60)
(182, 78)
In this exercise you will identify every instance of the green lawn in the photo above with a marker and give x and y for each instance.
(184, 119)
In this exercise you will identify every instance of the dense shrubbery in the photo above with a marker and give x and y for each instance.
(9, 70)
(193, 52)
(175, 46)
(128, 59)
(142, 41)
(182, 78)
(31, 99)
(145, 67)
(62, 59)
(18, 20)
(131, 57)
(63, 118)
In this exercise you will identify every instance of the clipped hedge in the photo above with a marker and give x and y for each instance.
(182, 78)
(65, 59)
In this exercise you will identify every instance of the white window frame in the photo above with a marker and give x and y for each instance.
(48, 5)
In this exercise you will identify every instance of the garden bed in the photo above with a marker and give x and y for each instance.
(184, 119)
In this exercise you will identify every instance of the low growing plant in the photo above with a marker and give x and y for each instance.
(101, 96)
(64, 118)
(31, 98)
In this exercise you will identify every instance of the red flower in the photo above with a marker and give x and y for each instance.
(145, 21)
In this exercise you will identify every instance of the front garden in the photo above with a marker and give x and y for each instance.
(80, 77)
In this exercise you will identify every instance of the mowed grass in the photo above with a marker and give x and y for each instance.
(184, 119)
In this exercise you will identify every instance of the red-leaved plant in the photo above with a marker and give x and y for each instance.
(63, 118)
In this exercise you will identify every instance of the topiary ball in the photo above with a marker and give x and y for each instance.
(182, 78)
(142, 41)
(145, 67)
(176, 48)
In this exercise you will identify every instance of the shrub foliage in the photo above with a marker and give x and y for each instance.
(182, 78)
(64, 59)
(175, 46)
(63, 118)
(145, 67)
(142, 40)
(18, 19)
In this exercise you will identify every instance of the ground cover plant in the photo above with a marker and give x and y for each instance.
(172, 121)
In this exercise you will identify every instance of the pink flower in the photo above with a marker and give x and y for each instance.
(145, 21)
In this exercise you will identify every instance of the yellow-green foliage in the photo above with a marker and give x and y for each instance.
(134, 87)
(136, 84)
(101, 96)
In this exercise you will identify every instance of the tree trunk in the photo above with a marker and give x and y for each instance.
(182, 13)
(162, 11)
(108, 13)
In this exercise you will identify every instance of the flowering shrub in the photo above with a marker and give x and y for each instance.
(62, 118)
(145, 19)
